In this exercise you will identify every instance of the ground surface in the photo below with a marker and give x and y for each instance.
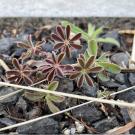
(58, 8)
(19, 108)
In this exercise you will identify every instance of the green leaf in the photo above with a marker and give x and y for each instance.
(75, 29)
(53, 108)
(92, 47)
(86, 55)
(103, 58)
(97, 32)
(109, 40)
(35, 96)
(56, 99)
(103, 77)
(110, 67)
(53, 85)
(91, 29)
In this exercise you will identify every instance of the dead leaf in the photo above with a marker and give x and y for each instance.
(122, 129)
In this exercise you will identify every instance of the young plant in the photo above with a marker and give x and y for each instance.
(50, 99)
(31, 48)
(92, 38)
(52, 66)
(82, 70)
(20, 74)
(64, 41)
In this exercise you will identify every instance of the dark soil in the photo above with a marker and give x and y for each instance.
(18, 109)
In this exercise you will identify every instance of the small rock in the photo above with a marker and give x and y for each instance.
(110, 84)
(87, 113)
(8, 90)
(121, 59)
(6, 44)
(48, 47)
(7, 121)
(132, 78)
(89, 90)
(125, 115)
(65, 85)
(106, 124)
(107, 46)
(22, 104)
(120, 78)
(35, 112)
(44, 126)
(128, 96)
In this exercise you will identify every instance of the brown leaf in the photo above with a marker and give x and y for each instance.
(16, 63)
(60, 32)
(95, 69)
(23, 45)
(81, 62)
(90, 62)
(56, 38)
(68, 31)
(58, 45)
(51, 75)
(27, 80)
(12, 72)
(122, 129)
(68, 53)
(74, 75)
(76, 37)
(89, 80)
(76, 46)
(80, 81)
(60, 57)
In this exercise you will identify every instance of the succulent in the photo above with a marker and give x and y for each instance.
(20, 74)
(83, 69)
(64, 41)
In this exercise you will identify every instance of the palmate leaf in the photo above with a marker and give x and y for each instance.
(110, 67)
(53, 108)
(109, 40)
(75, 29)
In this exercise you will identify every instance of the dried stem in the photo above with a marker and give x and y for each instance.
(113, 102)
(60, 112)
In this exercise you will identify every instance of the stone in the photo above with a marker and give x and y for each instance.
(132, 78)
(89, 90)
(8, 90)
(6, 44)
(65, 85)
(48, 47)
(7, 121)
(120, 78)
(44, 126)
(106, 124)
(121, 59)
(125, 115)
(110, 84)
(128, 96)
(88, 113)
(107, 46)
(22, 104)
(35, 112)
